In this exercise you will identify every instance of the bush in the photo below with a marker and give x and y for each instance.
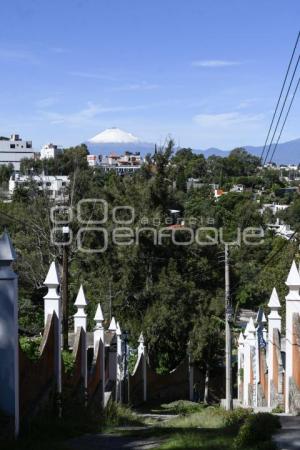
(116, 414)
(233, 420)
(31, 347)
(68, 360)
(182, 407)
(257, 430)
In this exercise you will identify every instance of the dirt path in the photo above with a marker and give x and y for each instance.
(113, 442)
(118, 442)
(288, 438)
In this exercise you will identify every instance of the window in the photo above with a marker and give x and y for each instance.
(48, 183)
(12, 145)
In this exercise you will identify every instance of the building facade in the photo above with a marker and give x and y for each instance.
(55, 186)
(50, 151)
(14, 149)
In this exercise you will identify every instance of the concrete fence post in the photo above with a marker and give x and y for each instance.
(292, 307)
(241, 342)
(274, 322)
(80, 321)
(9, 338)
(248, 367)
(142, 351)
(99, 343)
(52, 306)
(119, 364)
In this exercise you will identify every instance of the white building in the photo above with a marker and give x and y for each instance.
(93, 160)
(50, 151)
(237, 188)
(13, 149)
(55, 186)
(122, 164)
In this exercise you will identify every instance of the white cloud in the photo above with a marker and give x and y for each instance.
(143, 86)
(227, 121)
(17, 55)
(87, 115)
(211, 63)
(92, 75)
(47, 102)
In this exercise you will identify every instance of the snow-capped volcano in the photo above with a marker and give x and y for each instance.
(114, 136)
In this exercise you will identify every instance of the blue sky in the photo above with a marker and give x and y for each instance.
(206, 72)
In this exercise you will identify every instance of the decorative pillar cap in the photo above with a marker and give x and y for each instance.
(52, 278)
(80, 299)
(241, 339)
(113, 325)
(99, 315)
(260, 318)
(7, 251)
(118, 330)
(274, 300)
(293, 279)
(251, 329)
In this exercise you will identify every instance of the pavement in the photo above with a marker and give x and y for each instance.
(288, 438)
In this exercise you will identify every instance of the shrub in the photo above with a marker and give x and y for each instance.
(233, 420)
(116, 414)
(182, 407)
(68, 360)
(257, 429)
(31, 347)
(278, 410)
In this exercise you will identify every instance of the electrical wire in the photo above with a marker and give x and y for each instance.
(286, 117)
(280, 95)
(282, 108)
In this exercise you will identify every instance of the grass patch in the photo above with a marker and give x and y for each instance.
(202, 439)
(210, 417)
(181, 407)
(116, 415)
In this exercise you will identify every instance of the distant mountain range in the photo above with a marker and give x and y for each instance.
(286, 152)
(117, 140)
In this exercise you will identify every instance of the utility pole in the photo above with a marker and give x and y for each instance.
(228, 318)
(65, 298)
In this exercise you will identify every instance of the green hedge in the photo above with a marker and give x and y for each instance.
(257, 432)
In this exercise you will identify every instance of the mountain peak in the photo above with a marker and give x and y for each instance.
(114, 136)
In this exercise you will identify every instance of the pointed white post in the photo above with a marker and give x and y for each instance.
(99, 329)
(119, 363)
(52, 298)
(80, 318)
(241, 342)
(99, 342)
(274, 322)
(142, 351)
(9, 338)
(113, 326)
(113, 352)
(292, 306)
(248, 347)
(80, 321)
(52, 306)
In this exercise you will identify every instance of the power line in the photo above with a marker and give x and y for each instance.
(260, 269)
(280, 95)
(282, 108)
(287, 114)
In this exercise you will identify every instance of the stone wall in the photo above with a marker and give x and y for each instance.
(262, 393)
(136, 383)
(169, 387)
